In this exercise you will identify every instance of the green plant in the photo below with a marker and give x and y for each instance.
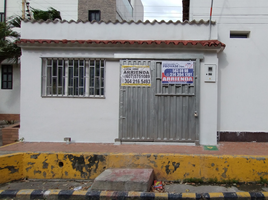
(263, 180)
(193, 180)
(10, 121)
(230, 181)
(212, 180)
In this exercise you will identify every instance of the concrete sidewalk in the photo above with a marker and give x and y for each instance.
(83, 161)
(224, 148)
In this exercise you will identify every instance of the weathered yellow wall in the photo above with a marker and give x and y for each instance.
(11, 167)
(166, 166)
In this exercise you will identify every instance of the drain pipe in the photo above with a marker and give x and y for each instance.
(5, 10)
(210, 19)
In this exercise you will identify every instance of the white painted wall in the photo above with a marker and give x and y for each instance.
(123, 12)
(138, 13)
(68, 8)
(96, 120)
(125, 31)
(10, 98)
(242, 65)
(52, 119)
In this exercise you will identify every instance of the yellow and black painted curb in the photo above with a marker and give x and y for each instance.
(170, 167)
(95, 195)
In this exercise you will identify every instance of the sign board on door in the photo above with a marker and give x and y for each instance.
(177, 72)
(135, 75)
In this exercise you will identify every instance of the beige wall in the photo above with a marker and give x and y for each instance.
(107, 8)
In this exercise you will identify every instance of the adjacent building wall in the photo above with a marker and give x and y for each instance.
(138, 13)
(107, 9)
(10, 98)
(243, 67)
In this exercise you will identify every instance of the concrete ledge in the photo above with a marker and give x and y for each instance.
(71, 194)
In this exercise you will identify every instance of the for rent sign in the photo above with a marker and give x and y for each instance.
(135, 75)
(177, 72)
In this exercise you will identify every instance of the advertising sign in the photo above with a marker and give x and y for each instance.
(177, 72)
(135, 75)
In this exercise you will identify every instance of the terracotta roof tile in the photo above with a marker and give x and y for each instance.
(120, 22)
(205, 43)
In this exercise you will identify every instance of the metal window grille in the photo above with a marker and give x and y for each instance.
(7, 77)
(73, 77)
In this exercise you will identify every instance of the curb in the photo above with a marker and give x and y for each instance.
(95, 195)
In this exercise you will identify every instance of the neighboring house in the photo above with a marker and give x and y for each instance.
(110, 10)
(10, 72)
(9, 82)
(71, 82)
(242, 71)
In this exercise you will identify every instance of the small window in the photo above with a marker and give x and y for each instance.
(94, 15)
(239, 34)
(7, 77)
(2, 17)
(73, 78)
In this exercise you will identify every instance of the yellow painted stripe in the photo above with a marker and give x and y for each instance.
(1, 191)
(161, 195)
(134, 194)
(189, 195)
(243, 195)
(106, 193)
(52, 192)
(216, 195)
(79, 193)
(24, 193)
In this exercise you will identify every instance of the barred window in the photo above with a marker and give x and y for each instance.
(73, 77)
(7, 77)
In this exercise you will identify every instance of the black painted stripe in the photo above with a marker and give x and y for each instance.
(37, 194)
(198, 196)
(230, 195)
(206, 196)
(256, 195)
(174, 196)
(120, 195)
(147, 196)
(65, 194)
(8, 194)
(93, 195)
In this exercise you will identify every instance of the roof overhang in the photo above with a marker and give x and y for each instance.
(189, 44)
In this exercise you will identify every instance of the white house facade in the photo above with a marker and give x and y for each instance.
(74, 82)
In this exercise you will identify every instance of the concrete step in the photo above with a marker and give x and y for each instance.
(139, 180)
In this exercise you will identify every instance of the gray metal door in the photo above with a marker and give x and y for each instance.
(160, 113)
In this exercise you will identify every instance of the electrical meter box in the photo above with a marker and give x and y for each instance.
(210, 76)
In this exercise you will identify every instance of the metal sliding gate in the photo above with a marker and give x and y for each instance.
(162, 112)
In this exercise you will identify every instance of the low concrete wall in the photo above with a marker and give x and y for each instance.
(166, 166)
(11, 167)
